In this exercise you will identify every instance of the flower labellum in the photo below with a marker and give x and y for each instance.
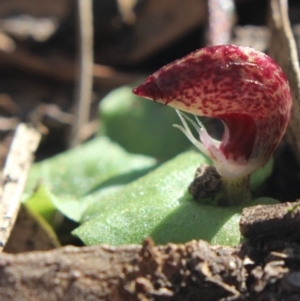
(242, 87)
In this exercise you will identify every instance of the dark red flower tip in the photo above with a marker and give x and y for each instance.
(243, 87)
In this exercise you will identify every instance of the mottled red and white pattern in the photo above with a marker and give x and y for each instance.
(243, 87)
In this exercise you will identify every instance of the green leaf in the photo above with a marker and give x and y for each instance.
(141, 126)
(78, 172)
(41, 202)
(158, 205)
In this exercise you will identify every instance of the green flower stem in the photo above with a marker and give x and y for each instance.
(236, 191)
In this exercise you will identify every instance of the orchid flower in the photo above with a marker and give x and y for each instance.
(242, 87)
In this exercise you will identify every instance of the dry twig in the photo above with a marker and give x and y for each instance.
(61, 70)
(221, 18)
(85, 82)
(14, 177)
(283, 49)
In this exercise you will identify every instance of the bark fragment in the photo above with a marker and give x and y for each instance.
(207, 182)
(191, 271)
(271, 222)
